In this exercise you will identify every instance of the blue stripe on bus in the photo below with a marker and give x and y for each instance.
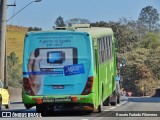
(42, 73)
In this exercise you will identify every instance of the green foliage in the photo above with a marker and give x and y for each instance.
(99, 24)
(149, 17)
(136, 72)
(34, 29)
(151, 40)
(125, 37)
(153, 61)
(138, 78)
(138, 42)
(77, 21)
(130, 72)
(130, 76)
(13, 71)
(59, 22)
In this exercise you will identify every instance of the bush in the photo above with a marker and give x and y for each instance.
(14, 71)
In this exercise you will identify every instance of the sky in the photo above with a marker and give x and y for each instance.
(43, 14)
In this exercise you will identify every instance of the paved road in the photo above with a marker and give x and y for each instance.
(18, 106)
(131, 104)
(137, 108)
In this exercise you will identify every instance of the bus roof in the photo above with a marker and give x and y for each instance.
(95, 32)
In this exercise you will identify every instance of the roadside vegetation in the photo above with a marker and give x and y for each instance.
(139, 43)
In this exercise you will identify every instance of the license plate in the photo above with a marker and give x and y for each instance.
(58, 86)
(62, 99)
(51, 100)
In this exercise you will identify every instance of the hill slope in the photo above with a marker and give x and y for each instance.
(15, 38)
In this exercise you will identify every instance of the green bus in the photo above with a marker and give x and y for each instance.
(70, 68)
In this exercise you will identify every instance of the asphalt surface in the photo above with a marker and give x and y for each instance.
(131, 106)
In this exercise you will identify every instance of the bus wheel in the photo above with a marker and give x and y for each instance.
(88, 112)
(113, 103)
(27, 106)
(40, 109)
(100, 107)
(118, 99)
(114, 99)
(107, 102)
(7, 106)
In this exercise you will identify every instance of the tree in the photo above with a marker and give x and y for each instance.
(125, 36)
(34, 29)
(13, 71)
(59, 22)
(149, 17)
(77, 21)
(151, 41)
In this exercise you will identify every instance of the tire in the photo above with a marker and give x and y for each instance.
(107, 102)
(100, 107)
(40, 109)
(7, 106)
(88, 112)
(118, 91)
(27, 106)
(114, 103)
(118, 99)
